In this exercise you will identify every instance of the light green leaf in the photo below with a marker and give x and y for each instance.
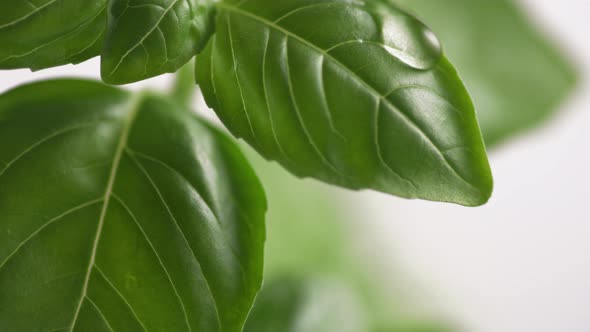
(308, 212)
(320, 305)
(122, 212)
(316, 305)
(353, 95)
(317, 215)
(137, 39)
(417, 327)
(516, 77)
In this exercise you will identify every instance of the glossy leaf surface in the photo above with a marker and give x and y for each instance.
(516, 77)
(38, 34)
(146, 37)
(137, 39)
(354, 95)
(123, 213)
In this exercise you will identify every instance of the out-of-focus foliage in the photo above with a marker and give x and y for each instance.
(516, 78)
(306, 227)
(310, 241)
(298, 305)
(319, 305)
(515, 75)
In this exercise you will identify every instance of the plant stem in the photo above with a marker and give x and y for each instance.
(183, 88)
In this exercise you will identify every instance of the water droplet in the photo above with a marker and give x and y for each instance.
(407, 38)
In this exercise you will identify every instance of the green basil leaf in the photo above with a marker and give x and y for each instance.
(136, 40)
(316, 305)
(354, 95)
(38, 34)
(516, 76)
(124, 213)
(146, 39)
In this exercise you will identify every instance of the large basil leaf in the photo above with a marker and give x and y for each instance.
(122, 212)
(516, 77)
(355, 95)
(137, 39)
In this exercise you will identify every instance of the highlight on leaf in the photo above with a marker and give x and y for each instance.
(124, 212)
(353, 94)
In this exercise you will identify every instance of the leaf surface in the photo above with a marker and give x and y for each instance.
(137, 39)
(122, 212)
(516, 76)
(38, 34)
(148, 37)
(354, 95)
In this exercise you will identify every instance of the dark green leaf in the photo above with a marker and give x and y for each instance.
(148, 38)
(122, 212)
(137, 40)
(516, 77)
(38, 34)
(352, 95)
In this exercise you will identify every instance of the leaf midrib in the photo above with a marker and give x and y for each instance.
(355, 76)
(134, 106)
(145, 36)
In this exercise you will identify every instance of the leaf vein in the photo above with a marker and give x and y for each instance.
(159, 258)
(169, 212)
(45, 225)
(144, 37)
(236, 71)
(110, 283)
(45, 139)
(26, 16)
(310, 139)
(368, 87)
(134, 109)
(100, 313)
(269, 109)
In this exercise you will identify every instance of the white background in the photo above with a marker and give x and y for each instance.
(520, 263)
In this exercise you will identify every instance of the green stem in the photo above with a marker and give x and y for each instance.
(183, 89)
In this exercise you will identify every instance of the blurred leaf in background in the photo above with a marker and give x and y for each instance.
(298, 305)
(318, 305)
(310, 239)
(515, 75)
(306, 231)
